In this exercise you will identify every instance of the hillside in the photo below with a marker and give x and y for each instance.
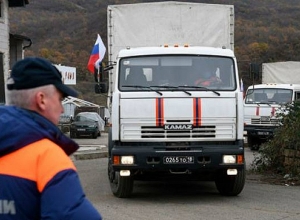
(65, 31)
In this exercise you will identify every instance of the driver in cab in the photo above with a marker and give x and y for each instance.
(208, 77)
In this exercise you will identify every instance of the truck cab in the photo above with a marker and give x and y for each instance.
(262, 103)
(164, 126)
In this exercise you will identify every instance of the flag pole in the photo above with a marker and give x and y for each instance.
(98, 73)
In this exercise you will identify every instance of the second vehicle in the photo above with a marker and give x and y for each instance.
(87, 124)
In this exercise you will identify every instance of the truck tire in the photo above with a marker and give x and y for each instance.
(121, 186)
(230, 185)
(95, 135)
(253, 143)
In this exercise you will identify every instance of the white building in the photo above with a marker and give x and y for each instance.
(11, 45)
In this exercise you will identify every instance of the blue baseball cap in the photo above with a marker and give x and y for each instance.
(34, 72)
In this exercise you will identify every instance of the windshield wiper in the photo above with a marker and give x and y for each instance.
(201, 87)
(259, 103)
(172, 87)
(143, 87)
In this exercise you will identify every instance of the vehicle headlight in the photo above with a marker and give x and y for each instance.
(117, 160)
(127, 160)
(92, 126)
(229, 158)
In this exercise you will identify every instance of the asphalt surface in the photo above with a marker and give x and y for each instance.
(91, 148)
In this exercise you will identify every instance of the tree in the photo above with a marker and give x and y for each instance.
(281, 154)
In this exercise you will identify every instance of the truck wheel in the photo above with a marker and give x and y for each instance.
(253, 143)
(230, 185)
(95, 135)
(121, 186)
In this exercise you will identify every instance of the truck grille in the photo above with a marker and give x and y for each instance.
(196, 132)
(264, 120)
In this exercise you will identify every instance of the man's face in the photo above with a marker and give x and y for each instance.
(53, 106)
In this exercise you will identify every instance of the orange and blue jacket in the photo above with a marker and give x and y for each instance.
(38, 180)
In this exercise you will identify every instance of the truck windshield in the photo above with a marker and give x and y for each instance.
(268, 96)
(177, 72)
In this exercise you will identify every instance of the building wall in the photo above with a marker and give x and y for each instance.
(4, 48)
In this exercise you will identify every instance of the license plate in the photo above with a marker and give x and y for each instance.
(263, 133)
(178, 160)
(265, 118)
(80, 129)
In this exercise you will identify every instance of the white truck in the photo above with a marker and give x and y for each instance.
(280, 85)
(163, 125)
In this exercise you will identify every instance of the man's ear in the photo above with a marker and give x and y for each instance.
(40, 101)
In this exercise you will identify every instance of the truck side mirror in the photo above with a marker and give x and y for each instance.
(254, 71)
(101, 88)
(97, 89)
(104, 87)
(101, 78)
(98, 74)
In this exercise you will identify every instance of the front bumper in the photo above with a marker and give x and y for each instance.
(84, 131)
(153, 158)
(260, 131)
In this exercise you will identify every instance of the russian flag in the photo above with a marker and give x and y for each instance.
(97, 55)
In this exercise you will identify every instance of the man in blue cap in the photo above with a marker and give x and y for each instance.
(38, 180)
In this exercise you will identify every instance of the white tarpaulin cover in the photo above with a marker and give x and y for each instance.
(159, 23)
(281, 72)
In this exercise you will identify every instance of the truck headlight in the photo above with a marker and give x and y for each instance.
(229, 158)
(127, 160)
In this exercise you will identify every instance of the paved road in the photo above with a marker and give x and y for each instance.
(187, 200)
(183, 200)
(102, 140)
(91, 148)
